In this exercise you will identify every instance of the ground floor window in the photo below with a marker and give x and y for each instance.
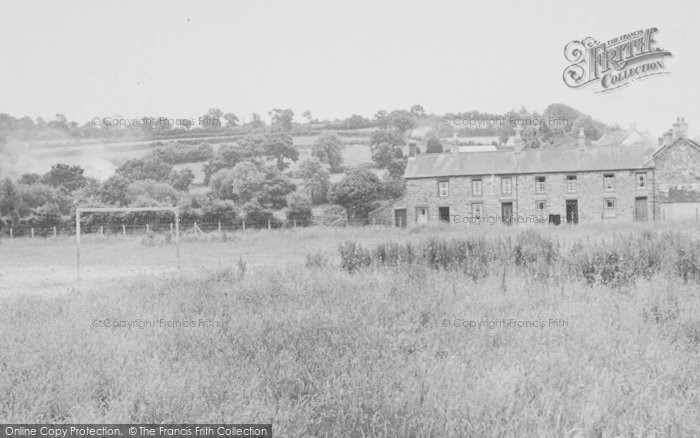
(422, 215)
(541, 209)
(609, 207)
(477, 210)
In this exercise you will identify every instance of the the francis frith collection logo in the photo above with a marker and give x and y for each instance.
(614, 63)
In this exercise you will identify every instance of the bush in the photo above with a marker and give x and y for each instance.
(353, 256)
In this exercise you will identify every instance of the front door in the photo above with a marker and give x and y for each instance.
(640, 209)
(400, 217)
(444, 214)
(507, 213)
(572, 211)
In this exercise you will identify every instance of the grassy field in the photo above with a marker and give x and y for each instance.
(283, 334)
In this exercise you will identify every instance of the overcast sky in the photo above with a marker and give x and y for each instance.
(176, 58)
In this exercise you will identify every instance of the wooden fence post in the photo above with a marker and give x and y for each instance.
(243, 225)
(102, 230)
(177, 237)
(32, 232)
(269, 225)
(219, 226)
(54, 231)
(148, 228)
(123, 230)
(295, 223)
(10, 233)
(171, 230)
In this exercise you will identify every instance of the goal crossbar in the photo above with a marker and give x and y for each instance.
(79, 210)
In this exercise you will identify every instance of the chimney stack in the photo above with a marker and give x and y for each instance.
(677, 129)
(411, 149)
(518, 141)
(683, 128)
(668, 137)
(581, 140)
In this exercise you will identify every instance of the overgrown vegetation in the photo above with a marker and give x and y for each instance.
(618, 261)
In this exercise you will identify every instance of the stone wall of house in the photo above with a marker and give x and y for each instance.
(678, 164)
(590, 194)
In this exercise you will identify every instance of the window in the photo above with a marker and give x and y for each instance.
(422, 215)
(609, 182)
(477, 210)
(476, 187)
(443, 189)
(506, 186)
(642, 180)
(609, 207)
(540, 184)
(571, 184)
(541, 209)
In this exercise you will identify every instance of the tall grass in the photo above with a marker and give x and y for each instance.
(323, 352)
(618, 261)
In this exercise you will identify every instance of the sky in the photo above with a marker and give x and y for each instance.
(88, 59)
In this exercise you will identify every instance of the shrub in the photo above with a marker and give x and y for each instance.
(353, 256)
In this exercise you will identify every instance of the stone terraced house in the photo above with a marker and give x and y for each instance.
(586, 184)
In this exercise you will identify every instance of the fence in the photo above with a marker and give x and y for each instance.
(188, 224)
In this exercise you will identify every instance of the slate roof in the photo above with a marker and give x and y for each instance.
(598, 158)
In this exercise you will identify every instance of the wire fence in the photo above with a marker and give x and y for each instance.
(188, 225)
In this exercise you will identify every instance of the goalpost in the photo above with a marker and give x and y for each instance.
(79, 210)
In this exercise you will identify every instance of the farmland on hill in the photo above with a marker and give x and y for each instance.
(288, 330)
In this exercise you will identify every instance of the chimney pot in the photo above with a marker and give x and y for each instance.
(411, 149)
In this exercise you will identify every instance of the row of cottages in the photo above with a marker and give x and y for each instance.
(589, 183)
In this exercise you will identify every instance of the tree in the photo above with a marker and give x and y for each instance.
(256, 122)
(317, 181)
(417, 111)
(10, 200)
(214, 115)
(433, 146)
(181, 179)
(225, 157)
(279, 146)
(29, 178)
(150, 193)
(380, 119)
(401, 120)
(68, 177)
(300, 211)
(231, 120)
(329, 149)
(307, 115)
(150, 167)
(357, 192)
(396, 167)
(241, 184)
(282, 118)
(114, 191)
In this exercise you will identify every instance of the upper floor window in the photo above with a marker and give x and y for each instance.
(444, 188)
(609, 182)
(571, 183)
(476, 187)
(642, 180)
(506, 186)
(540, 184)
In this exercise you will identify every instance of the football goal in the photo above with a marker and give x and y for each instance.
(80, 210)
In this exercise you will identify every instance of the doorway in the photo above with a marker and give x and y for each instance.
(572, 211)
(641, 212)
(507, 213)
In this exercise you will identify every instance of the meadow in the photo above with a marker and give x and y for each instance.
(342, 332)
